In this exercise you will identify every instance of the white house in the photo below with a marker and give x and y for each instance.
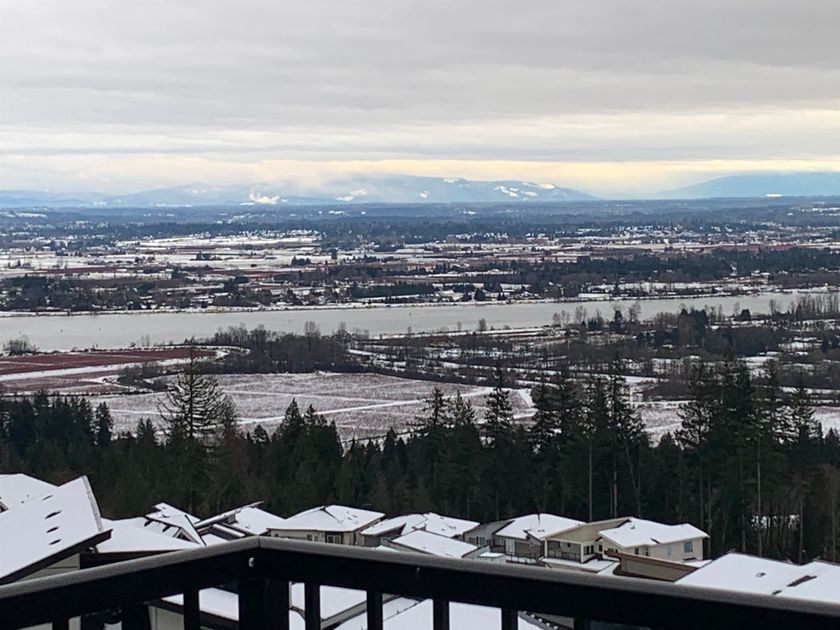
(640, 537)
(328, 523)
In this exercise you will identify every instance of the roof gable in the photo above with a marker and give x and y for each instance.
(48, 528)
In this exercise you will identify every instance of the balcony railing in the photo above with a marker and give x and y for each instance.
(263, 568)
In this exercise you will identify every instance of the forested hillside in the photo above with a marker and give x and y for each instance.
(749, 464)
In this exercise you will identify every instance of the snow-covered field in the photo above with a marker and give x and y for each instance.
(367, 405)
(662, 417)
(361, 405)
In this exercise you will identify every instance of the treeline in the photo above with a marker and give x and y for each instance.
(749, 464)
(264, 351)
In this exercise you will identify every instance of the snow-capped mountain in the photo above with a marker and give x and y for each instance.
(346, 189)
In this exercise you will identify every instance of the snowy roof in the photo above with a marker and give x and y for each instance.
(636, 532)
(433, 544)
(407, 614)
(430, 522)
(224, 604)
(164, 510)
(821, 583)
(253, 520)
(334, 600)
(221, 533)
(213, 539)
(390, 609)
(748, 574)
(129, 535)
(169, 520)
(537, 526)
(19, 488)
(47, 528)
(329, 518)
(594, 565)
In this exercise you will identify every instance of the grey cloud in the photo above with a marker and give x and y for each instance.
(363, 71)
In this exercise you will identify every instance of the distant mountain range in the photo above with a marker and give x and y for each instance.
(761, 185)
(411, 189)
(349, 189)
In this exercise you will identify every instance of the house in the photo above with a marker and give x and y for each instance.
(578, 543)
(429, 522)
(248, 520)
(641, 537)
(632, 536)
(328, 523)
(425, 542)
(521, 538)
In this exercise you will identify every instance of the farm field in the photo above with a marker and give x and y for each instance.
(362, 405)
(661, 417)
(366, 405)
(81, 372)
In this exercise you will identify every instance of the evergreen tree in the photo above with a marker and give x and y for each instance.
(498, 417)
(697, 417)
(104, 425)
(194, 406)
(545, 421)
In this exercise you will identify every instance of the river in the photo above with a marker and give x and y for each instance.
(119, 330)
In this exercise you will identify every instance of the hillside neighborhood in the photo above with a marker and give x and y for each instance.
(47, 530)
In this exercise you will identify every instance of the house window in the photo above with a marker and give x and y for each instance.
(334, 538)
(689, 547)
(636, 551)
(310, 537)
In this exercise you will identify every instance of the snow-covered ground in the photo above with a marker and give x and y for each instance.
(361, 405)
(662, 417)
(367, 405)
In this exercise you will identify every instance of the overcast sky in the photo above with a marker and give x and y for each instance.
(604, 95)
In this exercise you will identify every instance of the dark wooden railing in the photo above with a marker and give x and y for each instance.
(262, 569)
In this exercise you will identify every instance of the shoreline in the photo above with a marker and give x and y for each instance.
(355, 306)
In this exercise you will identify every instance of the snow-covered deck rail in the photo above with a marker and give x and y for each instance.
(262, 569)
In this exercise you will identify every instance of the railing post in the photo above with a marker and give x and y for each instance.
(312, 606)
(510, 619)
(440, 614)
(192, 612)
(374, 611)
(252, 604)
(264, 604)
(276, 605)
(136, 618)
